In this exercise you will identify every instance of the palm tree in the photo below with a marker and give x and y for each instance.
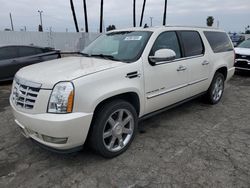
(74, 15)
(142, 13)
(134, 13)
(210, 21)
(85, 16)
(101, 16)
(165, 12)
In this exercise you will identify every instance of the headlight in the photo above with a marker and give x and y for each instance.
(62, 98)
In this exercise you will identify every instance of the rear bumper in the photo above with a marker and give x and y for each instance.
(74, 127)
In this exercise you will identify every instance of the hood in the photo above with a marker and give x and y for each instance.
(242, 51)
(65, 69)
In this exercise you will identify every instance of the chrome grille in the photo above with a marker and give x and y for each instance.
(24, 93)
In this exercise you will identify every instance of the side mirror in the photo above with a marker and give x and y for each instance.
(162, 55)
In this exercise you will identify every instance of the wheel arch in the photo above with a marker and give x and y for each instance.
(223, 70)
(131, 97)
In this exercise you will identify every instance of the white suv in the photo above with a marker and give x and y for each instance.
(123, 76)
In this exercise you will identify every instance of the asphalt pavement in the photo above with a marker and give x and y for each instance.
(193, 145)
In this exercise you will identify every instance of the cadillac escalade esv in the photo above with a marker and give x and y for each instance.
(121, 77)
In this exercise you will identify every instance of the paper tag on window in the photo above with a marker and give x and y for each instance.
(133, 38)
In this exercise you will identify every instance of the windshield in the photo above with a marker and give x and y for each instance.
(245, 44)
(124, 46)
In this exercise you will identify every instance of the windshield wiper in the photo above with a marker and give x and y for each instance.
(110, 57)
(84, 54)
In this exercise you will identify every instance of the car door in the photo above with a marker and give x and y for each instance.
(165, 83)
(8, 59)
(197, 60)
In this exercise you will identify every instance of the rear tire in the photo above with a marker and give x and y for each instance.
(113, 128)
(216, 89)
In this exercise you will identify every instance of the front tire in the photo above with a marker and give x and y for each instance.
(114, 128)
(216, 89)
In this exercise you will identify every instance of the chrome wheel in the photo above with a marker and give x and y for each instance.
(118, 130)
(218, 89)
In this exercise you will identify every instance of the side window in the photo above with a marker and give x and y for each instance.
(218, 41)
(167, 40)
(8, 53)
(192, 43)
(28, 51)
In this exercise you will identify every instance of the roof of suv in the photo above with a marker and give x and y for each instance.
(159, 28)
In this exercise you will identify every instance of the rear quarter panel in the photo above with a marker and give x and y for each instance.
(218, 60)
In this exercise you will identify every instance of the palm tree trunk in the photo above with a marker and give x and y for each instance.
(101, 16)
(85, 16)
(74, 15)
(134, 13)
(142, 13)
(165, 13)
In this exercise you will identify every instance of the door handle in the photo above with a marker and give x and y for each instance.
(205, 62)
(181, 68)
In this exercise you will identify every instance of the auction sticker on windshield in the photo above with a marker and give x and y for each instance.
(133, 38)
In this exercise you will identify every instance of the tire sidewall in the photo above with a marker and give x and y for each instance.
(217, 75)
(100, 121)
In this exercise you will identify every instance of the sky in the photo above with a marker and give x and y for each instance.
(230, 15)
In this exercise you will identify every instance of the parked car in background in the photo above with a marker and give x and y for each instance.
(242, 56)
(12, 58)
(237, 39)
(123, 76)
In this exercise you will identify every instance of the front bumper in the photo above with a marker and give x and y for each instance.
(73, 126)
(242, 64)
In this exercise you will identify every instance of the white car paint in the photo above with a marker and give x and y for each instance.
(97, 79)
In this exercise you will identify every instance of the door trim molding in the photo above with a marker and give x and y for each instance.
(175, 88)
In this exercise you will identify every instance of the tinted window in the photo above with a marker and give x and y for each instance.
(28, 51)
(192, 43)
(8, 53)
(218, 41)
(167, 40)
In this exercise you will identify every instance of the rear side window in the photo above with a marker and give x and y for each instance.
(192, 43)
(218, 41)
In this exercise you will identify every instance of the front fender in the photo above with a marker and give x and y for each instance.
(92, 90)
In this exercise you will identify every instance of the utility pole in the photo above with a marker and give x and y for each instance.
(41, 21)
(134, 13)
(11, 23)
(101, 17)
(165, 12)
(151, 21)
(85, 16)
(142, 13)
